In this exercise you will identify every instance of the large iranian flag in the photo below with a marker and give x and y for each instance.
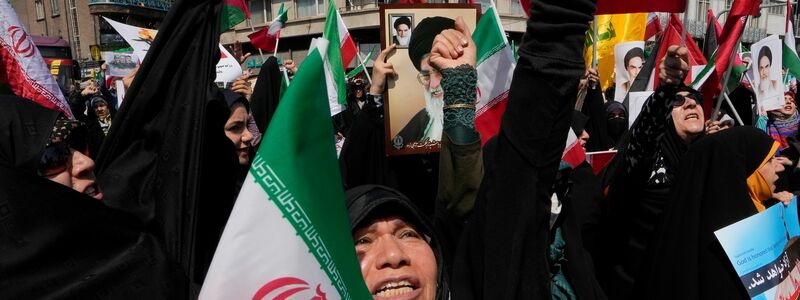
(288, 235)
(496, 65)
(22, 69)
(341, 50)
(790, 59)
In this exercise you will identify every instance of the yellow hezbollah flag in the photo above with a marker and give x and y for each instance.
(611, 30)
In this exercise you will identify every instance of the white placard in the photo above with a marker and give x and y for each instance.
(766, 66)
(628, 61)
(120, 64)
(635, 102)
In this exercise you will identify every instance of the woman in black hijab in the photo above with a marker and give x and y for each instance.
(56, 239)
(723, 179)
(395, 241)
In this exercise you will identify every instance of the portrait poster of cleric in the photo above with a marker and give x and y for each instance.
(766, 68)
(628, 61)
(414, 99)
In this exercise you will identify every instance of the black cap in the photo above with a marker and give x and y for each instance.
(423, 35)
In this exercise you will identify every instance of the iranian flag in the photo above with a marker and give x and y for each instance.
(341, 50)
(267, 38)
(23, 71)
(496, 65)
(288, 236)
(233, 12)
(790, 59)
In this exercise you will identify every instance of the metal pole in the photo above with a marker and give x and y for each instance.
(594, 47)
(361, 61)
(253, 29)
(727, 75)
(684, 31)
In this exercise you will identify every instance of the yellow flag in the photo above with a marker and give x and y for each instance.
(611, 30)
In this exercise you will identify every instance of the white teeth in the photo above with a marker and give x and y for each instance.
(395, 288)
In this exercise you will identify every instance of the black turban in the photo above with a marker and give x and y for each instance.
(402, 20)
(423, 35)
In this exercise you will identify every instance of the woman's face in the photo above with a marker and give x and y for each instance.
(770, 172)
(236, 130)
(77, 173)
(396, 260)
(688, 119)
(788, 107)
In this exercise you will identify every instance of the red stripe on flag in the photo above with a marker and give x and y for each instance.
(348, 50)
(263, 40)
(653, 27)
(672, 36)
(24, 86)
(574, 155)
(488, 122)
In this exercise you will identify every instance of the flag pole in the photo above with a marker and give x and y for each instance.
(594, 47)
(277, 41)
(685, 20)
(361, 62)
(728, 73)
(253, 30)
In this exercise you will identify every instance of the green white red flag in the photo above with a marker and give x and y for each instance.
(341, 50)
(267, 38)
(233, 12)
(790, 60)
(22, 68)
(496, 65)
(288, 236)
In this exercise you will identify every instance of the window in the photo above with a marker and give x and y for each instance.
(54, 7)
(308, 8)
(702, 11)
(777, 10)
(259, 11)
(39, 10)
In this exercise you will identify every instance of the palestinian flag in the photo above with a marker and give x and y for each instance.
(672, 36)
(288, 236)
(267, 38)
(496, 65)
(233, 12)
(573, 154)
(341, 50)
(22, 69)
(790, 59)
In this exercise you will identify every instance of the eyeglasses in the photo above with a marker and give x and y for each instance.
(679, 100)
(55, 159)
(424, 77)
(56, 156)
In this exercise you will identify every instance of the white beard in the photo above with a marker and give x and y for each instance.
(403, 40)
(764, 86)
(435, 109)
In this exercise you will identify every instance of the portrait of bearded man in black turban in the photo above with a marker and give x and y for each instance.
(426, 125)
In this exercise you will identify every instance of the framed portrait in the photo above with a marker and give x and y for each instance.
(413, 101)
(628, 61)
(766, 68)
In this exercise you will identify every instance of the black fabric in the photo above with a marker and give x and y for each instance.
(593, 107)
(363, 157)
(742, 99)
(166, 159)
(266, 93)
(232, 98)
(579, 121)
(56, 243)
(503, 251)
(710, 41)
(616, 127)
(711, 193)
(367, 202)
(422, 37)
(414, 130)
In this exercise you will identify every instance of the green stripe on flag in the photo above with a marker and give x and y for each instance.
(299, 171)
(230, 16)
(360, 67)
(491, 39)
(791, 61)
(334, 55)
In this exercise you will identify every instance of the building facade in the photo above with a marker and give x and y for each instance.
(67, 19)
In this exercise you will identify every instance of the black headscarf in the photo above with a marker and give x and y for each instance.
(57, 243)
(711, 193)
(266, 93)
(422, 37)
(366, 202)
(616, 126)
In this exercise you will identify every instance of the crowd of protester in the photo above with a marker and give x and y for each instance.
(507, 220)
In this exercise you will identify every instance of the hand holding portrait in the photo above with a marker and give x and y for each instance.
(382, 70)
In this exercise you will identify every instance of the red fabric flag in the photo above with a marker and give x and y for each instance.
(734, 27)
(653, 26)
(263, 40)
(672, 36)
(745, 8)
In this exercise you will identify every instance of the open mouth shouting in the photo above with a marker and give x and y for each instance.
(402, 289)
